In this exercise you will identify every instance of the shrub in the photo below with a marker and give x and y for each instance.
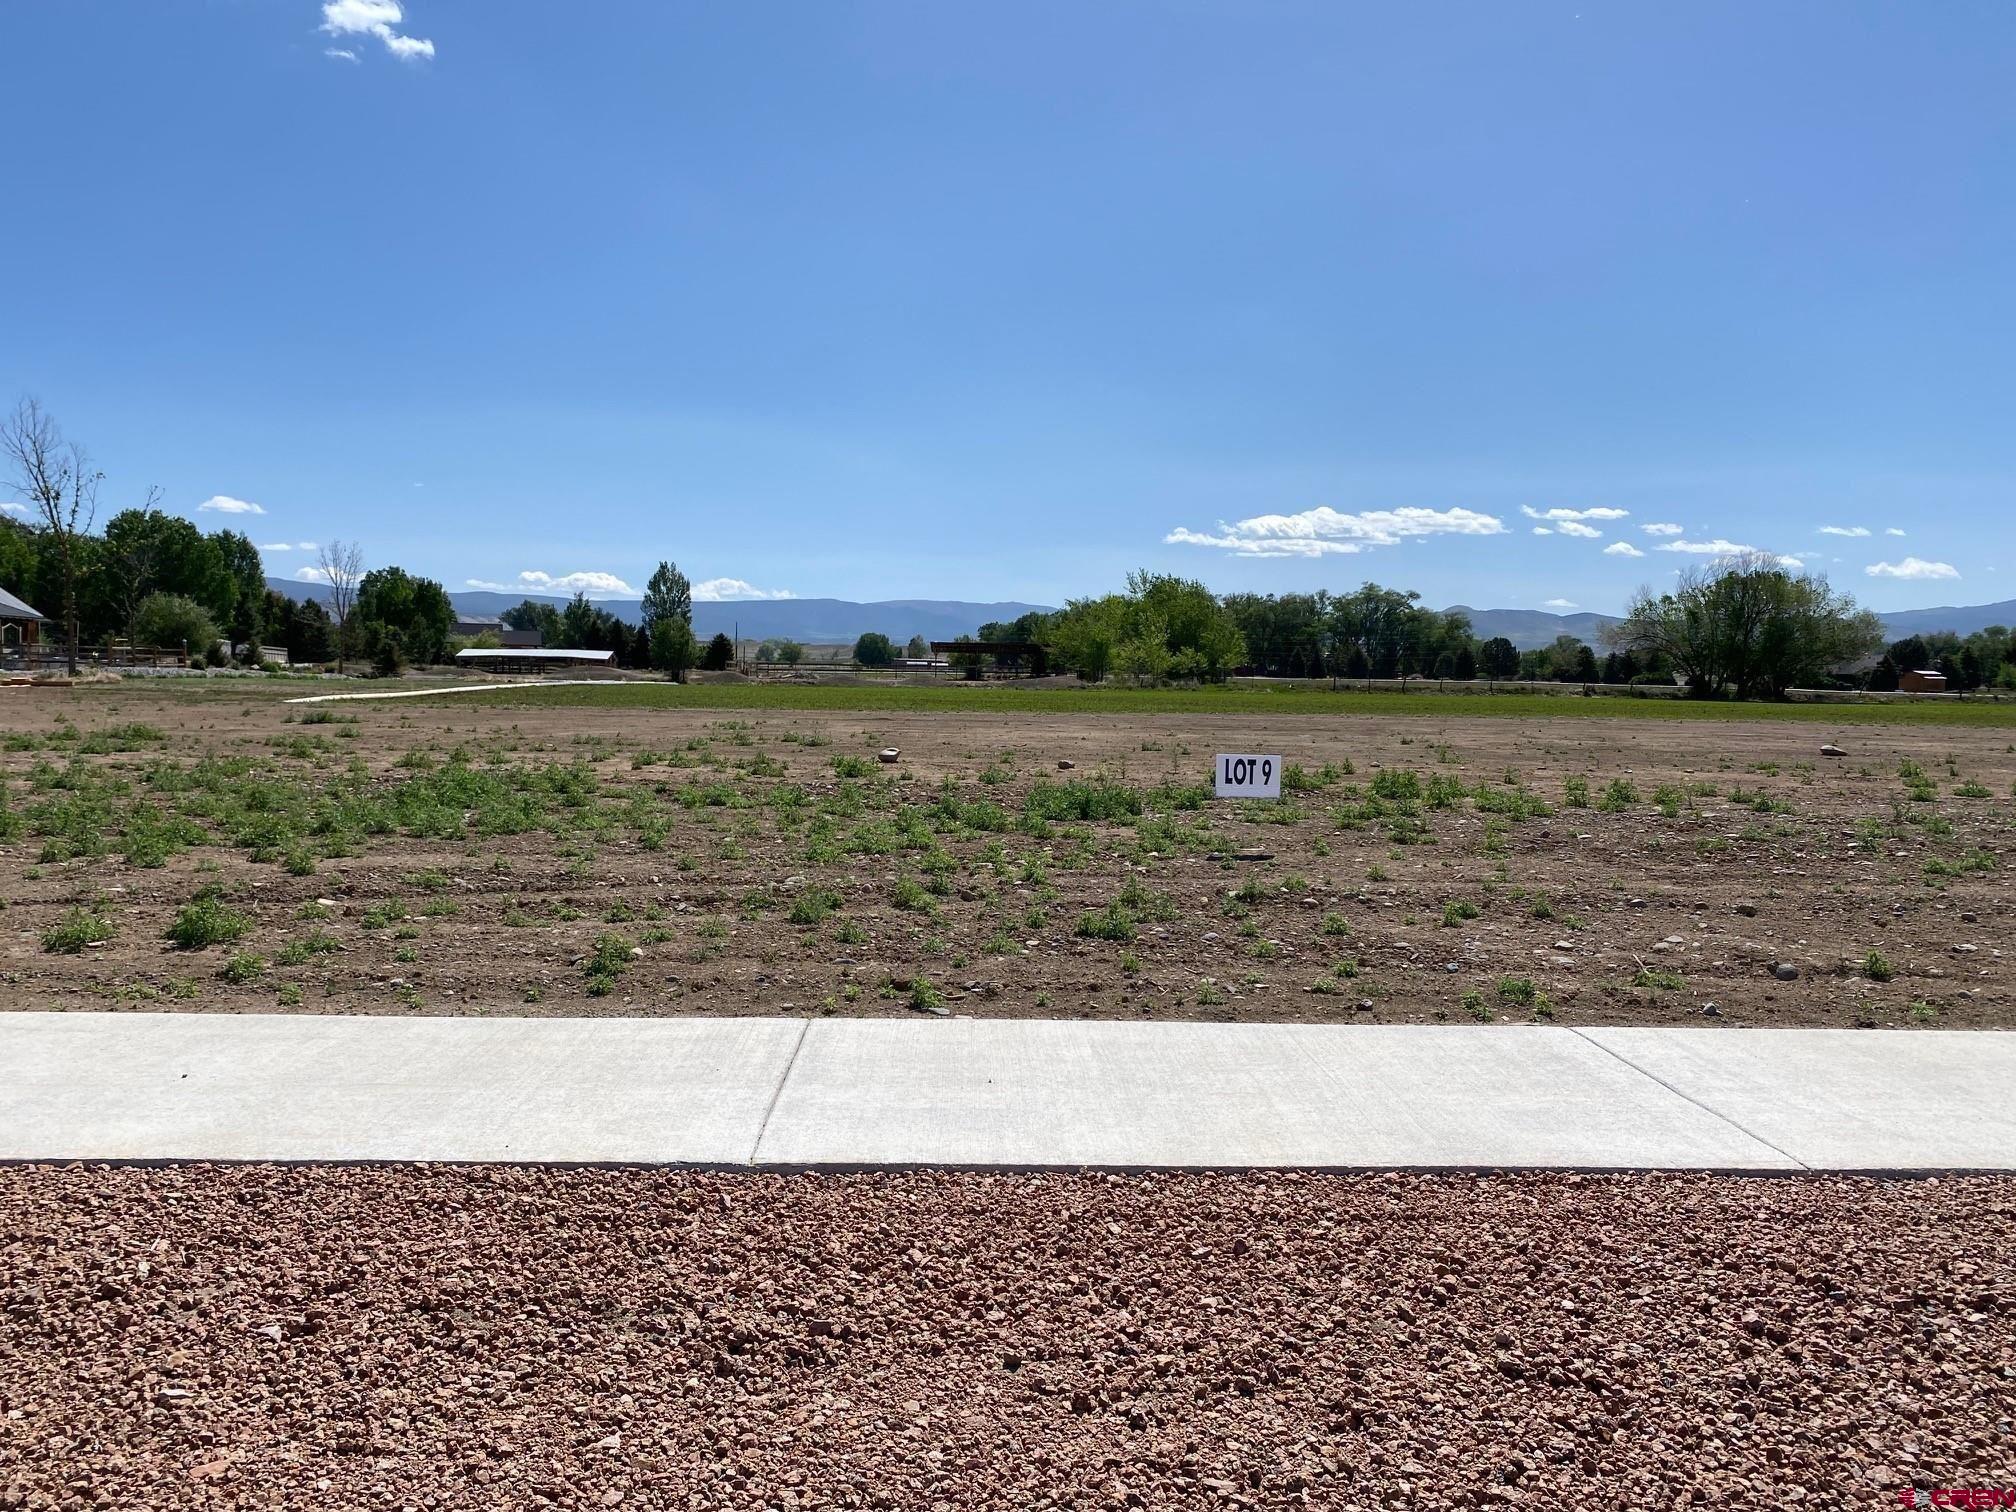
(244, 967)
(813, 905)
(1059, 802)
(1396, 785)
(206, 922)
(76, 929)
(608, 960)
(1620, 795)
(169, 620)
(1876, 968)
(1113, 922)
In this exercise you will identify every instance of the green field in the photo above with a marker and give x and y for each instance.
(967, 698)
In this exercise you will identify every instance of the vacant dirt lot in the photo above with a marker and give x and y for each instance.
(453, 856)
(503, 1337)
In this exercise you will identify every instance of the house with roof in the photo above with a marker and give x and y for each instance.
(470, 626)
(20, 625)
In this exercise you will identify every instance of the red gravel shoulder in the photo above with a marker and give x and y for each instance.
(481, 1337)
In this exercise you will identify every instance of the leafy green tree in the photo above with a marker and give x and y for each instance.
(415, 611)
(1288, 636)
(874, 650)
(719, 654)
(531, 615)
(672, 646)
(147, 551)
(788, 652)
(1084, 633)
(667, 596)
(173, 621)
(1584, 667)
(1750, 627)
(246, 573)
(1498, 657)
(1144, 659)
(917, 648)
(1466, 662)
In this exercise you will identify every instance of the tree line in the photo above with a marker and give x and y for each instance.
(1745, 627)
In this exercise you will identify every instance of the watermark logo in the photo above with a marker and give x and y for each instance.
(1972, 1497)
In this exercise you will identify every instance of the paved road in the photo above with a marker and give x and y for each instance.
(839, 1093)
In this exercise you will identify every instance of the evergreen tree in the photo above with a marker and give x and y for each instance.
(1499, 657)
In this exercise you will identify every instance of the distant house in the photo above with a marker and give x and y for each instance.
(1923, 681)
(19, 625)
(470, 626)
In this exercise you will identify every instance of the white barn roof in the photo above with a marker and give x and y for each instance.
(12, 608)
(531, 653)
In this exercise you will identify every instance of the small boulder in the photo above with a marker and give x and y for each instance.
(889, 755)
(1785, 971)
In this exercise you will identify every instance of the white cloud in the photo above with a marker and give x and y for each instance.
(724, 590)
(342, 53)
(1913, 569)
(1661, 530)
(1717, 547)
(311, 575)
(1325, 531)
(1568, 522)
(594, 584)
(1721, 548)
(1543, 530)
(1623, 549)
(225, 504)
(276, 546)
(1574, 514)
(307, 546)
(10, 507)
(1851, 531)
(371, 18)
(1893, 530)
(1562, 604)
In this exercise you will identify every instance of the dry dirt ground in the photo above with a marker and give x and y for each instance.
(496, 1337)
(450, 856)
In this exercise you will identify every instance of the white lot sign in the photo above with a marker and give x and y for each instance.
(1249, 776)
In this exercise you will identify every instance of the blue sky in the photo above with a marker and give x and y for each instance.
(928, 300)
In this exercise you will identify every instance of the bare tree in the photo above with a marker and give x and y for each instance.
(342, 567)
(55, 478)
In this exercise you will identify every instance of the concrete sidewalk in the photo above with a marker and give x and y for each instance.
(839, 1093)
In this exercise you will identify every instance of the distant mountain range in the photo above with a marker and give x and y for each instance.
(1961, 620)
(1530, 629)
(835, 621)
